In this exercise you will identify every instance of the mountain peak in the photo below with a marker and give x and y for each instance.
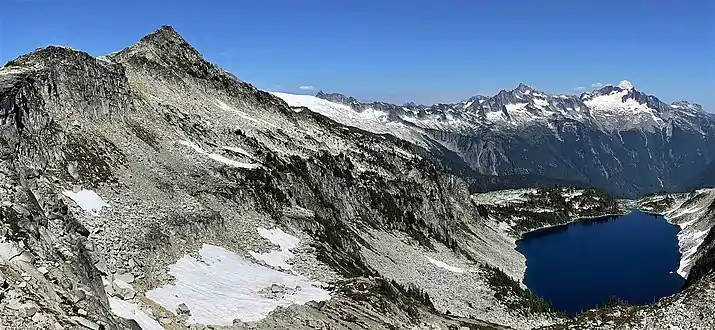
(163, 34)
(164, 49)
(163, 45)
(477, 98)
(687, 105)
(524, 87)
(336, 97)
(50, 56)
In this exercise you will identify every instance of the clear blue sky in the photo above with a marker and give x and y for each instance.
(399, 50)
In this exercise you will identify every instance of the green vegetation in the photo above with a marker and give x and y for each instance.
(616, 315)
(92, 163)
(12, 219)
(149, 137)
(408, 299)
(508, 290)
(154, 238)
(613, 301)
(551, 207)
(658, 205)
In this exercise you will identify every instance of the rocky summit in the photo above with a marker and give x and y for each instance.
(150, 189)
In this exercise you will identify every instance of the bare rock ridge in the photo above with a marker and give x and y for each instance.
(166, 48)
(149, 189)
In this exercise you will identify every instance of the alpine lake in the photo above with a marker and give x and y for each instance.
(588, 263)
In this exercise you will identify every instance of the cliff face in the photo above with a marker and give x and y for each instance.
(693, 213)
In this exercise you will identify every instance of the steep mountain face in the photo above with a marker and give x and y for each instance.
(704, 179)
(616, 138)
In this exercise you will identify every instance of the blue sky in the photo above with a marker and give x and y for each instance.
(423, 51)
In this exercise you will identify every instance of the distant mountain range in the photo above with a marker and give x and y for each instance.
(615, 138)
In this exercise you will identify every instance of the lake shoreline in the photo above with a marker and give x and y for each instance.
(572, 221)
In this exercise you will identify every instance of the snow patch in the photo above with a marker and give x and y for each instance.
(217, 157)
(371, 120)
(222, 286)
(226, 107)
(132, 311)
(691, 210)
(88, 200)
(104, 59)
(617, 111)
(515, 107)
(442, 264)
(284, 241)
(700, 234)
(541, 102)
(239, 151)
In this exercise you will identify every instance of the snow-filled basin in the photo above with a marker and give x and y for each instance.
(224, 286)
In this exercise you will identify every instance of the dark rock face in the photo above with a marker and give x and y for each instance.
(338, 98)
(35, 90)
(704, 179)
(629, 163)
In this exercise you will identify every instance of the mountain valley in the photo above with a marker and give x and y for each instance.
(150, 189)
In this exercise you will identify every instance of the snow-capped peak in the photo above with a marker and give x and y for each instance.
(523, 88)
(625, 84)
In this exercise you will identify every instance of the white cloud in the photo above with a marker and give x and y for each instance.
(579, 88)
(597, 85)
(306, 88)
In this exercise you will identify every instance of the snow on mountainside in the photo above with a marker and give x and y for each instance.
(370, 120)
(616, 138)
(619, 107)
(694, 213)
(616, 108)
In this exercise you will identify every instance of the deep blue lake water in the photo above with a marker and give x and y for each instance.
(580, 265)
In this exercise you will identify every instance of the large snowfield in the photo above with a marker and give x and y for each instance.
(222, 286)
